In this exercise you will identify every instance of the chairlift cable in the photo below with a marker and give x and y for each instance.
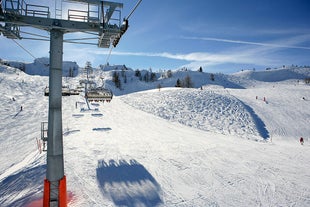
(29, 33)
(81, 43)
(109, 54)
(24, 49)
(133, 9)
(85, 38)
(27, 51)
(30, 38)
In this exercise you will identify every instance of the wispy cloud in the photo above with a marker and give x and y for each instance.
(208, 59)
(248, 53)
(286, 44)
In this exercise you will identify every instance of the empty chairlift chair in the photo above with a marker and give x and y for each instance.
(99, 95)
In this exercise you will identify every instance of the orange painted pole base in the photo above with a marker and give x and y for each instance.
(46, 193)
(62, 193)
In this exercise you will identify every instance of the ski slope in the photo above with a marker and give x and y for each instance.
(174, 147)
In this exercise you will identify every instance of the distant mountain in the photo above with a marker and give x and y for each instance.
(40, 66)
(129, 80)
(275, 75)
(138, 80)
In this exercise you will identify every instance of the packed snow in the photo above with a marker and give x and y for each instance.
(233, 141)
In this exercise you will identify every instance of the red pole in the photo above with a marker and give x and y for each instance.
(62, 190)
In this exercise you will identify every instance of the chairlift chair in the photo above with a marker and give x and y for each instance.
(99, 95)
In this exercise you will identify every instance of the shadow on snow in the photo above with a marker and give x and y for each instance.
(128, 183)
(23, 187)
(102, 129)
(261, 127)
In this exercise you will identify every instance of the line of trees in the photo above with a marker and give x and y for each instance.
(185, 83)
(147, 77)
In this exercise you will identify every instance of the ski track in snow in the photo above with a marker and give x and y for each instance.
(181, 147)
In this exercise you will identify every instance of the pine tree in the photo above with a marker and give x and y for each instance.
(178, 84)
(212, 77)
(116, 80)
(169, 74)
(187, 83)
(153, 77)
(138, 73)
(146, 77)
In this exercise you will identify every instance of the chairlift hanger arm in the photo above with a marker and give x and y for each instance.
(124, 26)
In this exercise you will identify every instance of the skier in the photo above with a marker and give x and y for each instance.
(301, 140)
(21, 108)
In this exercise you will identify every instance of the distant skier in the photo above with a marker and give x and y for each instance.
(21, 108)
(301, 140)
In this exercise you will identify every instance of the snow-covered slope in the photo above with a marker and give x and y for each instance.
(173, 147)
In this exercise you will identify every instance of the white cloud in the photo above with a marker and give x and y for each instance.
(240, 56)
(288, 43)
(249, 53)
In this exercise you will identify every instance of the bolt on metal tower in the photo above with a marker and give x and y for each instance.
(98, 18)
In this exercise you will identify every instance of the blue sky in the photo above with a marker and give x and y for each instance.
(218, 35)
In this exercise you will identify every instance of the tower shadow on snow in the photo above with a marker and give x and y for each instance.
(128, 183)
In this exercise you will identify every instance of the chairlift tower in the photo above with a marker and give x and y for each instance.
(99, 18)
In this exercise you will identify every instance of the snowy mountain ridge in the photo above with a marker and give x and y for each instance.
(40, 66)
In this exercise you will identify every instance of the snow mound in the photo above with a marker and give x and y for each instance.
(202, 109)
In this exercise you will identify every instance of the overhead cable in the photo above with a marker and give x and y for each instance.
(133, 9)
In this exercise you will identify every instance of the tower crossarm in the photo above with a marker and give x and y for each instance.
(50, 23)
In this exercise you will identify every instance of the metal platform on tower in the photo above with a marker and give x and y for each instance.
(103, 18)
